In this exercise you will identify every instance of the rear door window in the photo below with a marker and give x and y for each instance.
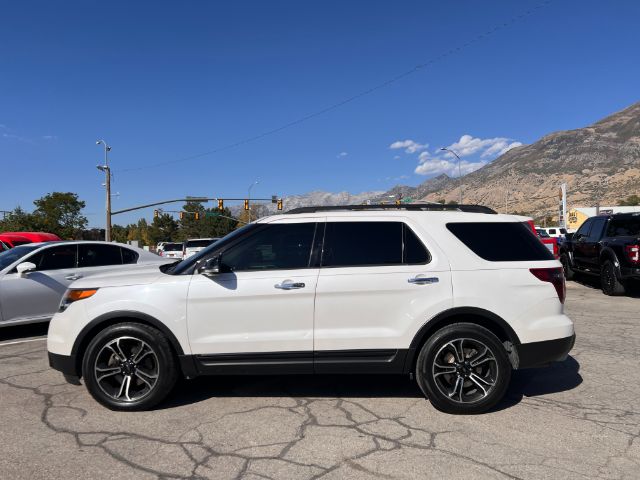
(98, 255)
(359, 244)
(624, 227)
(501, 242)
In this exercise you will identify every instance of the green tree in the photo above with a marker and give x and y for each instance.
(163, 229)
(18, 221)
(119, 233)
(631, 200)
(211, 222)
(60, 213)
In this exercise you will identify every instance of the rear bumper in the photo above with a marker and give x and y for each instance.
(628, 272)
(540, 354)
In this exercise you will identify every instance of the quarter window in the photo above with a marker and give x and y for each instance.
(273, 247)
(129, 256)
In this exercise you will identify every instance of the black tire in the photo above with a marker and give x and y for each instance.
(609, 281)
(494, 374)
(152, 354)
(566, 266)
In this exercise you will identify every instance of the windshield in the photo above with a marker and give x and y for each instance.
(172, 247)
(185, 265)
(542, 233)
(10, 256)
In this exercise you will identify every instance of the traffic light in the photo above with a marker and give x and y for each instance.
(197, 215)
(279, 204)
(156, 214)
(246, 204)
(181, 215)
(220, 204)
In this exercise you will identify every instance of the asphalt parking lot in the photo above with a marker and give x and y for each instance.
(577, 419)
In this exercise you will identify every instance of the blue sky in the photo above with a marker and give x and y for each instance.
(163, 81)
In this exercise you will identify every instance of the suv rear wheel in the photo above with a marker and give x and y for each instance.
(463, 368)
(609, 280)
(129, 366)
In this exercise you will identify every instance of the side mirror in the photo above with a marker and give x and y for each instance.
(25, 267)
(212, 266)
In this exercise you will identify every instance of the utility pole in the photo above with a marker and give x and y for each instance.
(506, 201)
(107, 171)
(459, 170)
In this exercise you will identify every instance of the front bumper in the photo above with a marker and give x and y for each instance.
(540, 354)
(65, 364)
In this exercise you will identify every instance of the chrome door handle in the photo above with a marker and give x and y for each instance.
(423, 280)
(289, 285)
(73, 277)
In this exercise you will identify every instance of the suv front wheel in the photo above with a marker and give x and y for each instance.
(463, 368)
(129, 366)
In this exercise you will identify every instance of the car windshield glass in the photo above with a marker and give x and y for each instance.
(172, 247)
(185, 265)
(542, 233)
(10, 256)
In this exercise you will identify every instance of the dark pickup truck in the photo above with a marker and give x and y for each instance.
(607, 246)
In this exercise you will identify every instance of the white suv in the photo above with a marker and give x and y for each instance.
(415, 289)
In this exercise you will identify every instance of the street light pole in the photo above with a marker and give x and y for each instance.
(459, 170)
(249, 195)
(107, 171)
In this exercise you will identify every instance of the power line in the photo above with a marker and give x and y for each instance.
(517, 18)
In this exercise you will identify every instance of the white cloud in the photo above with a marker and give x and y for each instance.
(429, 165)
(409, 146)
(49, 137)
(342, 154)
(486, 147)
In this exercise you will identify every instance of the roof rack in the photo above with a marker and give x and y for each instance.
(426, 207)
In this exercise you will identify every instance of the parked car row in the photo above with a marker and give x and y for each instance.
(180, 251)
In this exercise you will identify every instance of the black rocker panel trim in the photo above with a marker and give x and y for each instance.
(270, 363)
(359, 361)
(286, 363)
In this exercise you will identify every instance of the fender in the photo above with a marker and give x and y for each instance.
(480, 316)
(607, 253)
(107, 319)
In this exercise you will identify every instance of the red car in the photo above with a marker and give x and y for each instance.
(38, 236)
(550, 242)
(11, 240)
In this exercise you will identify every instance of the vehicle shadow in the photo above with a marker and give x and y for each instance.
(23, 331)
(558, 377)
(316, 386)
(533, 382)
(593, 282)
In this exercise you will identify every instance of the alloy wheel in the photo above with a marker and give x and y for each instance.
(465, 370)
(126, 369)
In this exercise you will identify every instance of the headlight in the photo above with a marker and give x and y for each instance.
(74, 295)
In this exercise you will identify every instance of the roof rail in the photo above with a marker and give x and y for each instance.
(426, 207)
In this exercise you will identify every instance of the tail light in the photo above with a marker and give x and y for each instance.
(554, 276)
(556, 252)
(633, 253)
